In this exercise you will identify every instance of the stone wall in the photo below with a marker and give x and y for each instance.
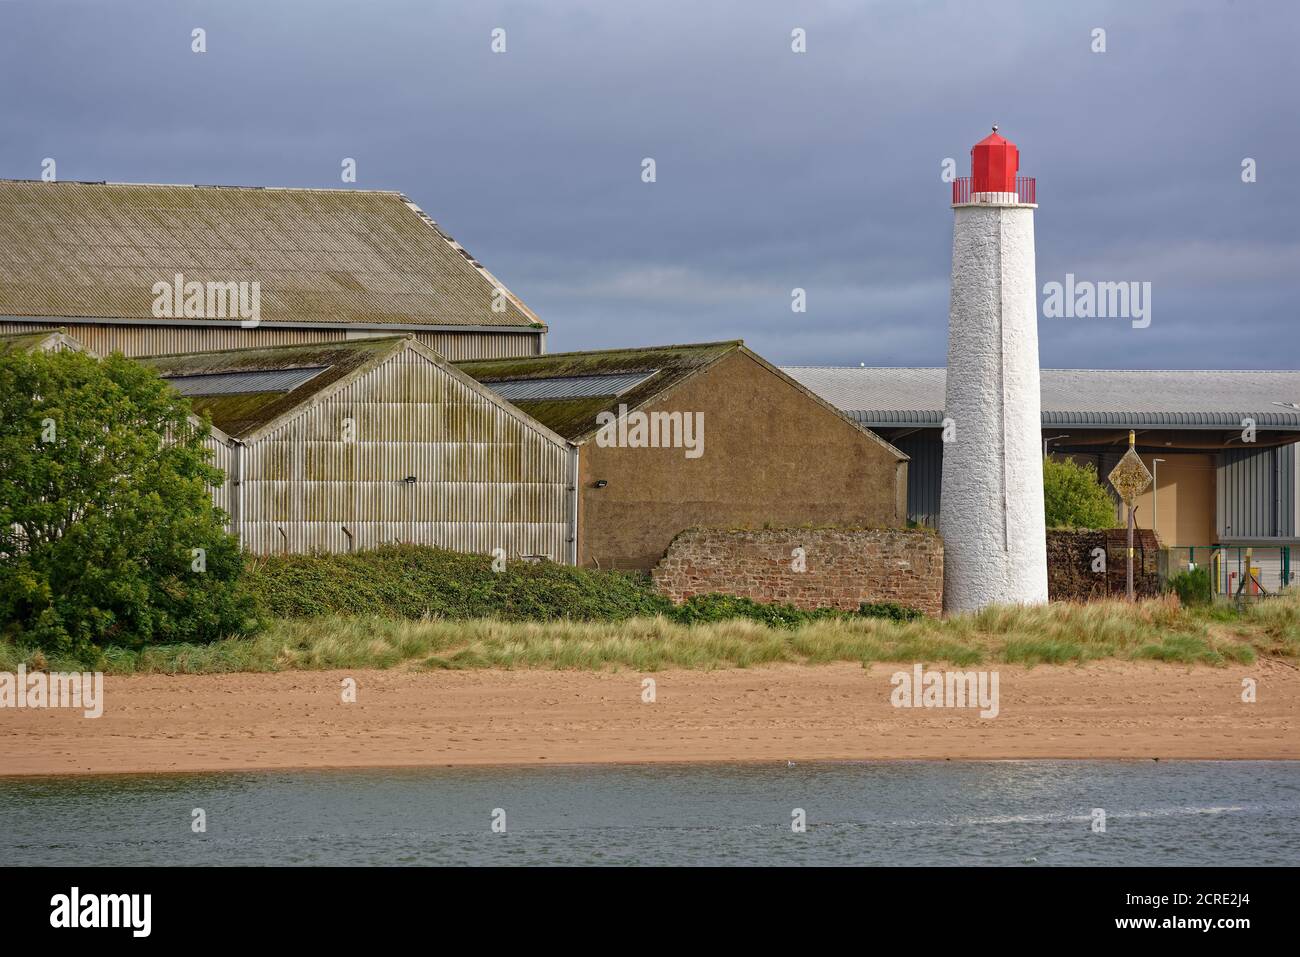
(1070, 575)
(841, 567)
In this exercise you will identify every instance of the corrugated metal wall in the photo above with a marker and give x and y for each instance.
(1256, 493)
(924, 477)
(483, 479)
(163, 340)
(223, 457)
(455, 346)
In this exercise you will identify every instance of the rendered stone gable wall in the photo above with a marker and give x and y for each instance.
(844, 567)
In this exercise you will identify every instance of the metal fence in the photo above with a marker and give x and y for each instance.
(1237, 571)
(963, 189)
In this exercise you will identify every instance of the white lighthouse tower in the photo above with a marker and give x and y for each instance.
(991, 510)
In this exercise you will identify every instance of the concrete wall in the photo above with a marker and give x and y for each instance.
(842, 568)
(1184, 497)
(772, 455)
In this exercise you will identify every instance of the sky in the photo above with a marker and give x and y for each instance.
(774, 170)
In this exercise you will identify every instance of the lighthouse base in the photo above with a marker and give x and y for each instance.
(991, 509)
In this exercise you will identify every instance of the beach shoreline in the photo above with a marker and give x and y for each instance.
(401, 718)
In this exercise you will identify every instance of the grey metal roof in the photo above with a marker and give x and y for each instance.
(1082, 398)
(243, 383)
(567, 387)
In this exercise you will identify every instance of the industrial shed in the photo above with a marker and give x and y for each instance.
(346, 446)
(330, 265)
(1212, 488)
(773, 453)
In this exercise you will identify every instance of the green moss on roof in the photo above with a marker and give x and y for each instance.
(568, 418)
(24, 341)
(239, 415)
(95, 250)
(271, 357)
(598, 362)
(575, 419)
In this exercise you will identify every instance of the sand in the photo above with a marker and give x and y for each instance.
(788, 712)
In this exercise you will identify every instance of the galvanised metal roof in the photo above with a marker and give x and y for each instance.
(894, 397)
(567, 387)
(329, 256)
(243, 383)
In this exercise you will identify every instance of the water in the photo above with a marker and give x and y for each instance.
(908, 813)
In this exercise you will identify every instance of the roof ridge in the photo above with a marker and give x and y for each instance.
(593, 352)
(327, 344)
(282, 189)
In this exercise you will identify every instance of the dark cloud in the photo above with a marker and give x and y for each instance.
(775, 170)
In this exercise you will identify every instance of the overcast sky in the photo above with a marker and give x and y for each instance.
(775, 170)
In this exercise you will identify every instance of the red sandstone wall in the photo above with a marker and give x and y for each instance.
(843, 567)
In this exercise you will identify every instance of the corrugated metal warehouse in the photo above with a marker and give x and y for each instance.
(770, 451)
(1212, 487)
(330, 265)
(347, 446)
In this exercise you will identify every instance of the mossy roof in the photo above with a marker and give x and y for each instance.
(575, 419)
(42, 339)
(345, 256)
(24, 341)
(240, 414)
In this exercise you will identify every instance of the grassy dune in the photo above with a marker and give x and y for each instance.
(1158, 630)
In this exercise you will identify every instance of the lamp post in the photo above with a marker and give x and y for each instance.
(1052, 439)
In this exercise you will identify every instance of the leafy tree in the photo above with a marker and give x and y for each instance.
(104, 506)
(1074, 497)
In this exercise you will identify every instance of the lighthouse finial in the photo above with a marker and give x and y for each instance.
(995, 127)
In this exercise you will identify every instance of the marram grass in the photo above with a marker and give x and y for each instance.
(1157, 630)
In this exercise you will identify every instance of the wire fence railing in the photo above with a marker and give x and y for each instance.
(1237, 572)
(963, 189)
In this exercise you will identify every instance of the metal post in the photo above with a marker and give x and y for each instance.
(1155, 491)
(1131, 510)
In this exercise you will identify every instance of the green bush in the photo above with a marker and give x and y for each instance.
(889, 610)
(413, 581)
(1193, 587)
(108, 534)
(1073, 496)
(706, 608)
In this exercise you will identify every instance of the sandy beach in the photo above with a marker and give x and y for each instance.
(788, 712)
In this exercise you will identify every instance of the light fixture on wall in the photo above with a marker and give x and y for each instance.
(409, 480)
(600, 483)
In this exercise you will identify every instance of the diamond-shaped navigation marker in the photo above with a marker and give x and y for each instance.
(1130, 477)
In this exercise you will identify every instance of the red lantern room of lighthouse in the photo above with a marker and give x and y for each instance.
(994, 163)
